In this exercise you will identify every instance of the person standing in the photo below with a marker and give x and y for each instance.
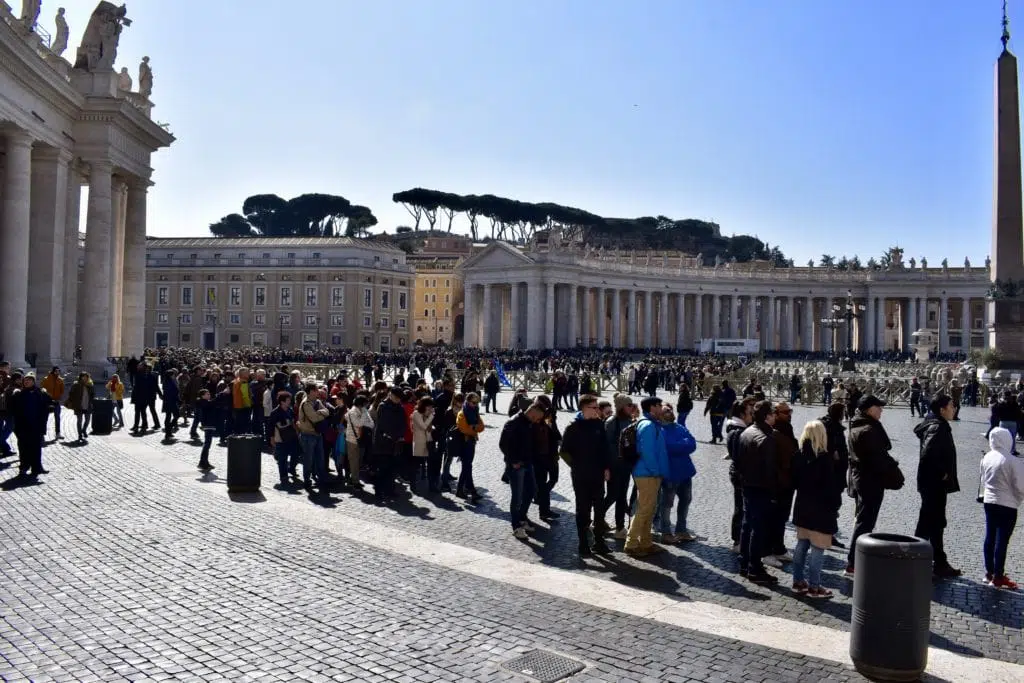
(172, 394)
(618, 487)
(758, 470)
(53, 385)
(677, 484)
(742, 416)
(422, 422)
(284, 437)
(358, 432)
(387, 441)
(786, 449)
(81, 400)
(651, 465)
(814, 515)
(590, 462)
(491, 388)
(29, 408)
(936, 479)
(1002, 492)
(469, 424)
(115, 389)
(517, 445)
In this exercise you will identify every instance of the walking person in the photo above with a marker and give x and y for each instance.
(936, 479)
(207, 418)
(1002, 493)
(814, 513)
(81, 400)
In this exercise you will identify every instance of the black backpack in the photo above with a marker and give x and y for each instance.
(629, 455)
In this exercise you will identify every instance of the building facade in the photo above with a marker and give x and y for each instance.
(307, 292)
(438, 298)
(567, 297)
(65, 128)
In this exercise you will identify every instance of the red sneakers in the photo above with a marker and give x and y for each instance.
(1004, 582)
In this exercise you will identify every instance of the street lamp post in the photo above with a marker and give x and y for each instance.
(844, 315)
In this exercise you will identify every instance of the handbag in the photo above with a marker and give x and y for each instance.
(894, 478)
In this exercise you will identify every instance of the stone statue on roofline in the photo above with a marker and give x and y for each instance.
(124, 80)
(98, 50)
(145, 78)
(988, 262)
(700, 259)
(967, 263)
(60, 41)
(913, 263)
(30, 14)
(924, 263)
(945, 264)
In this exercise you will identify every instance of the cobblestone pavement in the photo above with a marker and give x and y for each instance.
(114, 570)
(185, 538)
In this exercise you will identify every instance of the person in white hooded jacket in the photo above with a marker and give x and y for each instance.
(1002, 491)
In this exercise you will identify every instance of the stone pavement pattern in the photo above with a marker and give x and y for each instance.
(112, 570)
(967, 617)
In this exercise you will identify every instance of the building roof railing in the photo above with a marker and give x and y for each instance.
(346, 262)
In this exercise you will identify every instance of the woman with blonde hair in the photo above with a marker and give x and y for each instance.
(115, 389)
(814, 515)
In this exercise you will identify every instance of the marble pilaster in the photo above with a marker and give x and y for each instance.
(15, 237)
(549, 316)
(965, 324)
(514, 338)
(96, 323)
(134, 268)
(69, 296)
(486, 338)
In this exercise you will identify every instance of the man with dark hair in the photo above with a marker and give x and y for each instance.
(648, 471)
(869, 465)
(741, 417)
(590, 462)
(518, 446)
(936, 479)
(757, 468)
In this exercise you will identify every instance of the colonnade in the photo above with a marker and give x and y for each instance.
(551, 314)
(42, 311)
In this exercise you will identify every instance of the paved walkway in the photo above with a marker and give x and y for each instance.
(125, 564)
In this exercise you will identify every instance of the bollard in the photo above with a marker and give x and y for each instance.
(244, 453)
(892, 593)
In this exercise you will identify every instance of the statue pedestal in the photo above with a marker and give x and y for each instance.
(95, 83)
(59, 64)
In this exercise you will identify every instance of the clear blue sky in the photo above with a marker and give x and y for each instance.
(838, 126)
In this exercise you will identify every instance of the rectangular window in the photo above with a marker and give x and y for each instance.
(211, 296)
(235, 319)
(446, 312)
(426, 313)
(259, 338)
(241, 255)
(285, 319)
(186, 338)
(261, 296)
(401, 301)
(447, 298)
(186, 296)
(309, 341)
(385, 300)
(316, 254)
(401, 323)
(233, 338)
(235, 296)
(426, 298)
(186, 318)
(337, 320)
(366, 321)
(260, 319)
(367, 298)
(385, 322)
(311, 321)
(161, 296)
(285, 338)
(337, 297)
(433, 312)
(161, 317)
(447, 283)
(161, 339)
(286, 297)
(335, 340)
(311, 297)
(433, 298)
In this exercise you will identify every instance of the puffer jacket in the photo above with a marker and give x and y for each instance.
(680, 445)
(650, 444)
(936, 469)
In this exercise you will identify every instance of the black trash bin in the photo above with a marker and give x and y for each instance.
(244, 454)
(102, 416)
(892, 597)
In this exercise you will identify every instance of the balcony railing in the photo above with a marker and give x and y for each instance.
(337, 262)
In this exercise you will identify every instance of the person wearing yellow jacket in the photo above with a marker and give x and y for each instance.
(53, 385)
(115, 389)
(469, 425)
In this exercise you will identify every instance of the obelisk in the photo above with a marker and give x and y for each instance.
(1006, 334)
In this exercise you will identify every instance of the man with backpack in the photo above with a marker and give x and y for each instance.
(618, 487)
(642, 446)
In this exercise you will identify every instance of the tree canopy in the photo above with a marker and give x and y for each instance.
(517, 221)
(308, 215)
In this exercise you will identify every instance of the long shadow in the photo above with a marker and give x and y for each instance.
(20, 481)
(247, 497)
(1001, 607)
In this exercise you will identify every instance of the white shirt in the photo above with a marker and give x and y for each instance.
(1002, 479)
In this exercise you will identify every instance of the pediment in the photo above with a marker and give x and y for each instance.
(496, 256)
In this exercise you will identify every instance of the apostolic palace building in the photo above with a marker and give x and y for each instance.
(562, 295)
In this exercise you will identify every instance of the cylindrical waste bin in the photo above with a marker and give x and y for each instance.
(244, 453)
(892, 594)
(102, 416)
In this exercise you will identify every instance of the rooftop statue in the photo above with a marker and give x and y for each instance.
(913, 263)
(30, 13)
(124, 80)
(924, 262)
(145, 78)
(945, 264)
(967, 263)
(60, 41)
(98, 50)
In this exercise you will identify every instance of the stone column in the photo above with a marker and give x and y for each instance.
(716, 316)
(750, 316)
(46, 258)
(513, 316)
(549, 316)
(533, 309)
(69, 294)
(117, 246)
(602, 315)
(922, 312)
(133, 304)
(771, 344)
(912, 309)
(807, 342)
(588, 318)
(648, 319)
(616, 342)
(680, 320)
(871, 319)
(663, 341)
(943, 324)
(469, 317)
(574, 319)
(985, 322)
(734, 316)
(488, 318)
(790, 323)
(631, 318)
(965, 325)
(15, 238)
(96, 322)
(698, 319)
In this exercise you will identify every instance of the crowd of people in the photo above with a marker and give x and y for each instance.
(628, 457)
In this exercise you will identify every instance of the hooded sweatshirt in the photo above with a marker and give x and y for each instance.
(1002, 474)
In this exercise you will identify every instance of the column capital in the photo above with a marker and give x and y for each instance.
(58, 154)
(17, 137)
(137, 183)
(100, 166)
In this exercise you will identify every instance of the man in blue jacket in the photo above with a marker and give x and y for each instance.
(647, 474)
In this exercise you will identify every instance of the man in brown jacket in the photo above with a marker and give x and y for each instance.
(53, 385)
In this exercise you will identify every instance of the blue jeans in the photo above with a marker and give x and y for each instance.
(999, 523)
(6, 429)
(716, 427)
(813, 567)
(56, 417)
(524, 485)
(83, 420)
(204, 455)
(757, 516)
(312, 457)
(681, 492)
(465, 484)
(681, 417)
(287, 455)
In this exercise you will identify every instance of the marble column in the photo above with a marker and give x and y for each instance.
(69, 297)
(574, 320)
(698, 319)
(790, 323)
(750, 316)
(631, 323)
(663, 340)
(469, 318)
(533, 309)
(588, 318)
(549, 316)
(871, 319)
(46, 258)
(965, 325)
(616, 342)
(771, 344)
(680, 321)
(513, 316)
(912, 322)
(734, 316)
(648, 319)
(943, 324)
(117, 245)
(602, 315)
(96, 323)
(15, 238)
(486, 338)
(716, 316)
(985, 322)
(134, 264)
(922, 312)
(807, 342)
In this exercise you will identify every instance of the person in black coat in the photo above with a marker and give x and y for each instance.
(389, 432)
(936, 479)
(144, 394)
(870, 465)
(30, 406)
(814, 514)
(590, 463)
(836, 434)
(491, 388)
(441, 426)
(518, 446)
(757, 468)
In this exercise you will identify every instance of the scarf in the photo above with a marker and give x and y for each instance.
(472, 414)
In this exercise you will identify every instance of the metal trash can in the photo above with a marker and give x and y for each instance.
(892, 598)
(244, 455)
(102, 416)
